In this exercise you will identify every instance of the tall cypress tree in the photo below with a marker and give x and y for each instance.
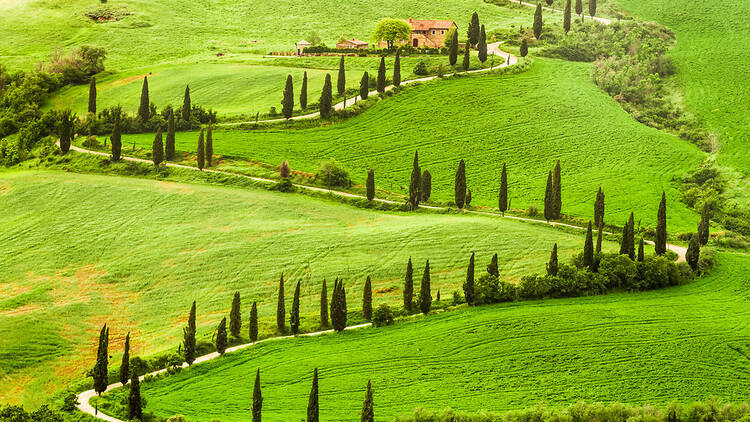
(599, 208)
(209, 146)
(409, 286)
(524, 49)
(482, 46)
(548, 206)
(253, 331)
(579, 9)
(660, 240)
(425, 189)
(135, 405)
(588, 249)
(169, 150)
(368, 408)
(144, 110)
(92, 95)
(469, 284)
(67, 123)
(100, 372)
(453, 49)
(338, 306)
(186, 106)
(370, 185)
(467, 59)
(538, 21)
(493, 267)
(326, 98)
(624, 241)
(341, 81)
(502, 202)
(397, 69)
(640, 251)
(313, 412)
(631, 237)
(157, 150)
(324, 306)
(693, 254)
(367, 300)
(459, 191)
(567, 17)
(257, 398)
(189, 342)
(599, 238)
(287, 102)
(557, 192)
(235, 316)
(592, 8)
(303, 92)
(199, 156)
(364, 86)
(703, 226)
(294, 315)
(125, 362)
(425, 297)
(381, 76)
(415, 184)
(552, 264)
(281, 307)
(472, 32)
(221, 336)
(116, 139)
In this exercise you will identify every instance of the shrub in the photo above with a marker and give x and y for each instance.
(91, 142)
(333, 175)
(383, 315)
(489, 289)
(421, 68)
(284, 169)
(532, 211)
(80, 64)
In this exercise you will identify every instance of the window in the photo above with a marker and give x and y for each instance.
(442, 32)
(433, 32)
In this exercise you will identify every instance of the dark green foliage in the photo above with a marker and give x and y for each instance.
(257, 398)
(538, 21)
(548, 206)
(287, 102)
(368, 412)
(493, 268)
(169, 149)
(370, 185)
(415, 184)
(294, 314)
(209, 146)
(397, 69)
(199, 156)
(100, 372)
(579, 8)
(125, 362)
(303, 92)
(552, 265)
(660, 239)
(425, 296)
(453, 49)
(426, 188)
(567, 17)
(599, 208)
(253, 331)
(186, 106)
(235, 316)
(341, 80)
(326, 98)
(482, 46)
(281, 307)
(556, 192)
(409, 287)
(468, 197)
(502, 202)
(588, 249)
(383, 315)
(472, 31)
(144, 110)
(313, 412)
(381, 76)
(67, 130)
(459, 193)
(221, 336)
(524, 49)
(189, 341)
(135, 404)
(630, 235)
(465, 64)
(469, 284)
(92, 95)
(338, 306)
(364, 86)
(324, 306)
(367, 300)
(624, 240)
(592, 8)
(693, 254)
(157, 150)
(704, 224)
(640, 251)
(600, 234)
(116, 139)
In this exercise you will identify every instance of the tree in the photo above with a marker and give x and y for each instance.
(397, 69)
(364, 86)
(588, 249)
(468, 197)
(482, 47)
(624, 240)
(253, 331)
(341, 80)
(502, 202)
(692, 256)
(294, 315)
(538, 21)
(287, 103)
(392, 30)
(552, 264)
(409, 287)
(660, 240)
(125, 362)
(472, 31)
(579, 9)
(257, 398)
(459, 190)
(453, 49)
(549, 2)
(221, 336)
(92, 95)
(631, 237)
(157, 150)
(135, 404)
(338, 306)
(67, 130)
(235, 316)
(281, 307)
(524, 47)
(640, 251)
(370, 185)
(556, 192)
(313, 414)
(467, 59)
(599, 208)
(189, 342)
(415, 184)
(100, 372)
(368, 412)
(169, 150)
(704, 224)
(199, 155)
(367, 300)
(186, 106)
(324, 306)
(381, 76)
(116, 139)
(426, 187)
(303, 92)
(548, 206)
(144, 110)
(592, 8)
(326, 99)
(599, 238)
(566, 17)
(493, 268)
(469, 284)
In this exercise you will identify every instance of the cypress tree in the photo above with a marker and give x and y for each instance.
(524, 47)
(188, 341)
(409, 286)
(135, 405)
(381, 76)
(556, 192)
(660, 241)
(370, 185)
(397, 69)
(502, 202)
(253, 332)
(144, 110)
(704, 224)
(169, 150)
(368, 412)
(199, 155)
(116, 139)
(566, 17)
(599, 239)
(235, 316)
(186, 106)
(221, 336)
(624, 241)
(313, 414)
(209, 146)
(469, 284)
(631, 238)
(157, 150)
(338, 306)
(693, 252)
(472, 32)
(460, 185)
(467, 61)
(415, 184)
(125, 362)
(588, 249)
(341, 81)
(257, 398)
(303, 92)
(364, 86)
(100, 372)
(579, 9)
(324, 306)
(599, 208)
(367, 300)
(453, 49)
(552, 264)
(548, 206)
(426, 187)
(287, 103)
(640, 251)
(493, 268)
(592, 8)
(294, 315)
(92, 95)
(468, 197)
(326, 98)
(482, 45)
(425, 297)
(67, 121)
(538, 21)
(281, 307)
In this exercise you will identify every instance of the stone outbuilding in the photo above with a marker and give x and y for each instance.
(301, 46)
(352, 43)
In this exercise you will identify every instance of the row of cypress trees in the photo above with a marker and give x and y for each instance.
(425, 294)
(420, 185)
(144, 108)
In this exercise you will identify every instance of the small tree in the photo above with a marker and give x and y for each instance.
(409, 287)
(482, 46)
(67, 130)
(303, 92)
(169, 147)
(556, 192)
(235, 316)
(467, 59)
(693, 252)
(294, 315)
(135, 404)
(186, 106)
(381, 76)
(370, 185)
(326, 99)
(253, 331)
(415, 183)
(579, 9)
(548, 207)
(221, 336)
(116, 139)
(341, 81)
(552, 264)
(567, 17)
(426, 187)
(144, 110)
(392, 30)
(199, 154)
(157, 150)
(624, 240)
(592, 8)
(453, 49)
(364, 86)
(468, 197)
(524, 47)
(660, 240)
(257, 398)
(287, 103)
(599, 208)
(281, 307)
(368, 412)
(502, 202)
(367, 300)
(189, 342)
(313, 412)
(599, 239)
(92, 95)
(338, 306)
(703, 226)
(284, 169)
(425, 297)
(324, 306)
(397, 69)
(631, 237)
(460, 185)
(493, 268)
(469, 284)
(472, 31)
(125, 362)
(538, 21)
(588, 249)
(640, 251)
(100, 372)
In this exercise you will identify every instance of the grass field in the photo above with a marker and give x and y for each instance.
(526, 120)
(684, 343)
(135, 253)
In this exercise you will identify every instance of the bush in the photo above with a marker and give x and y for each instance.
(383, 315)
(532, 211)
(80, 65)
(421, 68)
(91, 142)
(489, 289)
(333, 175)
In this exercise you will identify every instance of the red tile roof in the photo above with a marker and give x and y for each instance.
(424, 25)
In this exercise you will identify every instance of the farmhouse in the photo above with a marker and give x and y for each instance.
(427, 33)
(301, 46)
(352, 43)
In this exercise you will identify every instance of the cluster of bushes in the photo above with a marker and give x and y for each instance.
(78, 66)
(405, 50)
(103, 122)
(10, 413)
